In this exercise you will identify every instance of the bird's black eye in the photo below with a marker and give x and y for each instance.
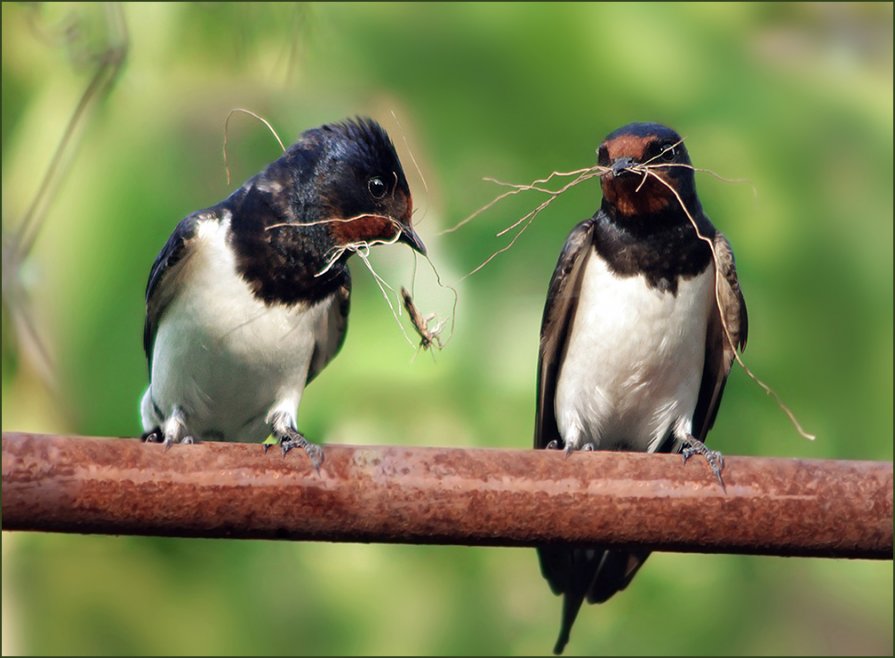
(377, 187)
(603, 156)
(661, 151)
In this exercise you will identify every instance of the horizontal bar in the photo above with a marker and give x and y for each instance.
(788, 507)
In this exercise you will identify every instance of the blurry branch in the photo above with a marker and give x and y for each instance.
(789, 507)
(17, 244)
(108, 63)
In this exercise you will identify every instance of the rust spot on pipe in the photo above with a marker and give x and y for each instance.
(458, 496)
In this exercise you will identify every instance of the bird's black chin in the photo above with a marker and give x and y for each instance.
(411, 238)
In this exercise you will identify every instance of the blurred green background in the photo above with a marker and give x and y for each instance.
(796, 97)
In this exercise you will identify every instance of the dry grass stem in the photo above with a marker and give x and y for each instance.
(586, 175)
(718, 276)
(441, 284)
(364, 255)
(517, 188)
(333, 220)
(227, 134)
(362, 249)
(701, 170)
(528, 218)
(410, 151)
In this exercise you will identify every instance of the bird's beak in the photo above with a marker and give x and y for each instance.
(620, 165)
(410, 237)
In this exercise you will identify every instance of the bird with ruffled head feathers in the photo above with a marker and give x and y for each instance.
(248, 299)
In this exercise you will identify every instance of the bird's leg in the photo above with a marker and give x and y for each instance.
(555, 444)
(715, 460)
(283, 427)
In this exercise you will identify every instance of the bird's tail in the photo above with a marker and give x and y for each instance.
(570, 572)
(591, 573)
(571, 604)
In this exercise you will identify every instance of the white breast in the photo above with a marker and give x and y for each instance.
(634, 361)
(222, 355)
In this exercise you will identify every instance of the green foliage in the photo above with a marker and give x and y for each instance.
(798, 98)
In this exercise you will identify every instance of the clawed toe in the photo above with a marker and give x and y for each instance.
(153, 436)
(289, 438)
(713, 458)
(167, 441)
(314, 452)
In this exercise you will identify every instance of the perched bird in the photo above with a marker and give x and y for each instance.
(633, 353)
(248, 300)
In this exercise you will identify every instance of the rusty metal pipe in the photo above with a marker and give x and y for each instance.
(448, 496)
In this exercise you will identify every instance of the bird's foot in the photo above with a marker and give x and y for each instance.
(568, 447)
(715, 460)
(314, 452)
(289, 438)
(158, 436)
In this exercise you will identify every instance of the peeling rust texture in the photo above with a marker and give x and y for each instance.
(789, 507)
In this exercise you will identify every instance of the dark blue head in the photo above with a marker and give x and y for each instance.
(350, 170)
(661, 151)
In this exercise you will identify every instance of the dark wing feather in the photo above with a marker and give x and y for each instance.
(719, 349)
(164, 276)
(332, 329)
(562, 300)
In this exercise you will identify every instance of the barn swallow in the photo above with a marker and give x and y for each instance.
(633, 353)
(248, 299)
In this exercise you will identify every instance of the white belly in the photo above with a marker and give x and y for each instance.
(634, 361)
(224, 357)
